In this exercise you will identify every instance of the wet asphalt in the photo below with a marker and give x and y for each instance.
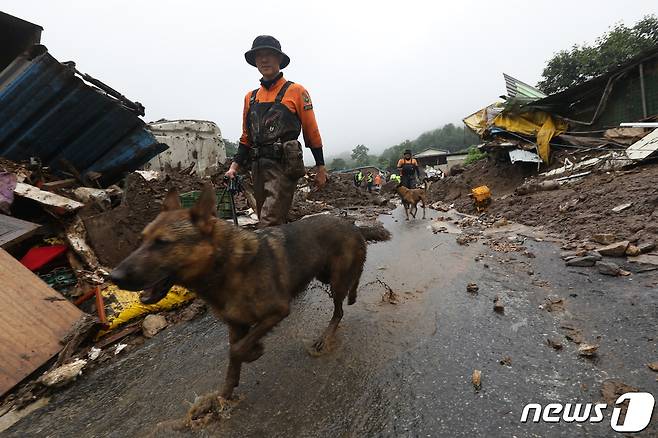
(396, 369)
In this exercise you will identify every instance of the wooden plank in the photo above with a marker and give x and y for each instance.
(33, 320)
(68, 182)
(12, 230)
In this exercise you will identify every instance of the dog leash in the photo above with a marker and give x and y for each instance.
(233, 187)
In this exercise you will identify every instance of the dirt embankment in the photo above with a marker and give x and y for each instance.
(141, 203)
(501, 178)
(585, 207)
(576, 210)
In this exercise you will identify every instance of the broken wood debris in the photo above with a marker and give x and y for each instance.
(555, 344)
(587, 350)
(498, 305)
(47, 199)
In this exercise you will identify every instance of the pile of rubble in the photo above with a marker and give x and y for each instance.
(619, 201)
(338, 196)
(610, 253)
(59, 239)
(600, 248)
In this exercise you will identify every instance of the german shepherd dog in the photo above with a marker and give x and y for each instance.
(410, 199)
(248, 278)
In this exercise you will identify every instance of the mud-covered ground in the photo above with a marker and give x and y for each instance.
(400, 369)
(341, 192)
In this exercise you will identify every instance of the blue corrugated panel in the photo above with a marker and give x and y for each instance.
(48, 112)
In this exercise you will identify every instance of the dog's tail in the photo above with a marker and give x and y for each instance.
(374, 233)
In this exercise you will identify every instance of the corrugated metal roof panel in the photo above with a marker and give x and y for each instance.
(49, 112)
(519, 89)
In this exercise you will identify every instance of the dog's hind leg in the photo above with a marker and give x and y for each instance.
(320, 345)
(340, 285)
(357, 270)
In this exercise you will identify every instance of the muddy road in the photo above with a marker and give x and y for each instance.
(399, 369)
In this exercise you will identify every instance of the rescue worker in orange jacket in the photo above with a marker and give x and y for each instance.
(408, 168)
(273, 117)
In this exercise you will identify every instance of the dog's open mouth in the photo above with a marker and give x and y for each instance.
(155, 293)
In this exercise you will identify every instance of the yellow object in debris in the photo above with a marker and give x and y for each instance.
(54, 241)
(482, 197)
(123, 306)
(481, 194)
(536, 123)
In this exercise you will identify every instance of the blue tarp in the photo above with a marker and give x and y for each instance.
(47, 111)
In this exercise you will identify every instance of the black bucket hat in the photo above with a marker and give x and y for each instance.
(266, 42)
(407, 151)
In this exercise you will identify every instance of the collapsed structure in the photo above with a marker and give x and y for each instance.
(528, 124)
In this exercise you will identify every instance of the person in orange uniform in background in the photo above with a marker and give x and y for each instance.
(408, 168)
(378, 181)
(273, 117)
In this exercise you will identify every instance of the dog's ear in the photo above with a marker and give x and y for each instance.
(171, 201)
(205, 209)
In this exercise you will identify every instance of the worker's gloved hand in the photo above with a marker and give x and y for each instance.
(321, 177)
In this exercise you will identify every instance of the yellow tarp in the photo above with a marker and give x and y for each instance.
(480, 120)
(536, 123)
(123, 306)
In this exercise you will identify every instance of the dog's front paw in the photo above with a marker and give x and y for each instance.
(321, 346)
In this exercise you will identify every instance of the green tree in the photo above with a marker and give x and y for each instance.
(474, 154)
(360, 155)
(338, 164)
(583, 62)
(231, 148)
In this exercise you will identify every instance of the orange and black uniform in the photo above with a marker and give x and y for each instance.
(296, 99)
(273, 117)
(408, 169)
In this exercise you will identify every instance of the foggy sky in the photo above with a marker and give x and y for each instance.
(378, 72)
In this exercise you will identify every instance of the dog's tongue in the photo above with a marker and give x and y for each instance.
(156, 292)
